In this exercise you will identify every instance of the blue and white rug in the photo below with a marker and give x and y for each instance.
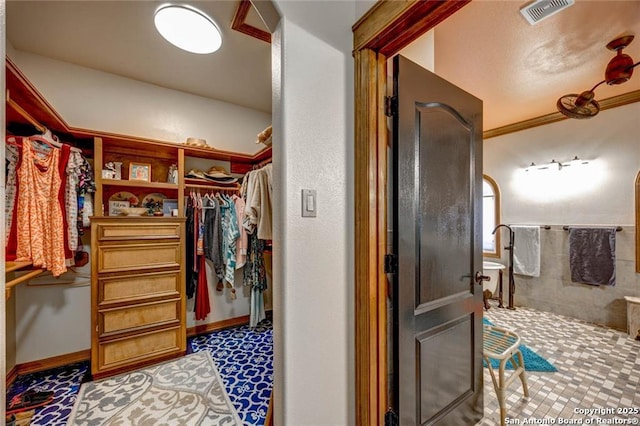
(186, 391)
(244, 357)
(532, 361)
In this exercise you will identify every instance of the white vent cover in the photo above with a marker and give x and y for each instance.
(541, 9)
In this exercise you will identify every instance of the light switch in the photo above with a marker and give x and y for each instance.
(309, 203)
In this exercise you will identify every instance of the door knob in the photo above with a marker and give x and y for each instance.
(479, 278)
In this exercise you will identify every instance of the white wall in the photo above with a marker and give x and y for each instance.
(601, 192)
(96, 100)
(421, 51)
(313, 149)
(362, 6)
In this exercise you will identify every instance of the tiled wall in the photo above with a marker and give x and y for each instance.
(554, 292)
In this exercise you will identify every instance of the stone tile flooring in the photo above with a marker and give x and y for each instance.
(598, 378)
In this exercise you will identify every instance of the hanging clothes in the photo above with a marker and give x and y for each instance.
(258, 210)
(71, 198)
(230, 234)
(12, 158)
(213, 236)
(255, 274)
(243, 240)
(191, 270)
(40, 223)
(202, 308)
(65, 153)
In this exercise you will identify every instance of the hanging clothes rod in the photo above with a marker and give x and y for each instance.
(211, 187)
(618, 228)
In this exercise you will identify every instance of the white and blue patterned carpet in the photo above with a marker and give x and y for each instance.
(243, 356)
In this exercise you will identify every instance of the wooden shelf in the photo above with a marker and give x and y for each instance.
(139, 184)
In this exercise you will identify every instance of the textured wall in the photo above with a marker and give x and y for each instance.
(553, 291)
(313, 149)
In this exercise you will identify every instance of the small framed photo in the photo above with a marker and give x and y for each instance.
(168, 205)
(140, 171)
(114, 207)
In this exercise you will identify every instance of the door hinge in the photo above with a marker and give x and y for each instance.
(390, 264)
(390, 418)
(390, 105)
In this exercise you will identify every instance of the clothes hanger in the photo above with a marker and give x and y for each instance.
(51, 138)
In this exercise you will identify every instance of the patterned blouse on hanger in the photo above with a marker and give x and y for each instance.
(39, 219)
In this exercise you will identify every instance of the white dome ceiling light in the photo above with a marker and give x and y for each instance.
(188, 28)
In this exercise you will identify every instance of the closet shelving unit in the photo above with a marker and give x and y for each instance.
(137, 263)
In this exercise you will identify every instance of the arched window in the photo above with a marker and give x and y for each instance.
(491, 217)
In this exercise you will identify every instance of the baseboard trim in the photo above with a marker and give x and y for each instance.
(53, 362)
(218, 325)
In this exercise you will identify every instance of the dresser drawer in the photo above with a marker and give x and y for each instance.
(127, 257)
(143, 230)
(139, 287)
(138, 317)
(141, 347)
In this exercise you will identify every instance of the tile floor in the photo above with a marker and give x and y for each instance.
(243, 356)
(598, 369)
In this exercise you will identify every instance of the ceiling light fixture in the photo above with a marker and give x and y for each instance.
(555, 165)
(188, 28)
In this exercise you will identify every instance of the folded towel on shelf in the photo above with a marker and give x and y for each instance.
(592, 255)
(526, 250)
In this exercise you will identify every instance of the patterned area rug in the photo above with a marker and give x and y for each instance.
(63, 381)
(532, 361)
(186, 391)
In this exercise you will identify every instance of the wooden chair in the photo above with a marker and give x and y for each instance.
(503, 345)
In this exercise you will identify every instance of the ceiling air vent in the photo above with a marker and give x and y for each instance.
(541, 9)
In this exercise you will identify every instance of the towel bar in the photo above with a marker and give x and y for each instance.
(566, 228)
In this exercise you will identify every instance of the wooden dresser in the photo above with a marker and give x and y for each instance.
(137, 292)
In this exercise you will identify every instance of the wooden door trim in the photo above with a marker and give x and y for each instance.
(383, 31)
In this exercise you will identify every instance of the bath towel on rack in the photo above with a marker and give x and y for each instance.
(592, 255)
(526, 250)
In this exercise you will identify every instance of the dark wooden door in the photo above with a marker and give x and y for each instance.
(437, 162)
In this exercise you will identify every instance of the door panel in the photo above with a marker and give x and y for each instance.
(444, 222)
(441, 386)
(437, 158)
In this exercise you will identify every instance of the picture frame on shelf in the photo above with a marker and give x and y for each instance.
(140, 171)
(115, 206)
(168, 205)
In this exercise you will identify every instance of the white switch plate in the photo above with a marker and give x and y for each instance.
(309, 203)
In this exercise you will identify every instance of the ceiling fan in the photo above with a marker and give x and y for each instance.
(619, 70)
